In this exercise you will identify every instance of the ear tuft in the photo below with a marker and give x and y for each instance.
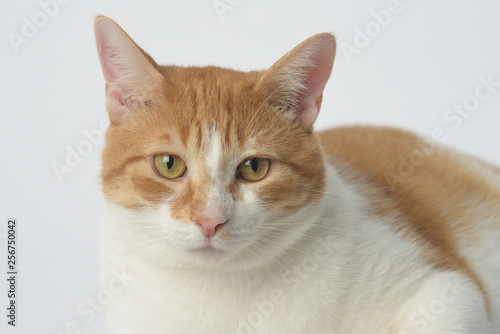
(298, 79)
(130, 73)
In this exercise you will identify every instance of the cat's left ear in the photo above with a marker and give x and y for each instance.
(130, 73)
(298, 79)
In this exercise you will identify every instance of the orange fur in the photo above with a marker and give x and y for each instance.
(436, 203)
(195, 99)
(214, 118)
(254, 112)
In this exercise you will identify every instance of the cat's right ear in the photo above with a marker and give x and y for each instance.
(130, 73)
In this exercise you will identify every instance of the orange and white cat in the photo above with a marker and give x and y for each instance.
(231, 215)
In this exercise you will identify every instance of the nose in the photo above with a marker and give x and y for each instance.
(210, 226)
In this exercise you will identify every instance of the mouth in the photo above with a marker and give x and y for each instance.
(208, 249)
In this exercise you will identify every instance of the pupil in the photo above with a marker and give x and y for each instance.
(255, 165)
(170, 161)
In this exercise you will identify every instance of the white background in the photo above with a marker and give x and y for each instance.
(427, 59)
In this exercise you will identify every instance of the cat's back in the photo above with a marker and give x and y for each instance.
(422, 179)
(444, 199)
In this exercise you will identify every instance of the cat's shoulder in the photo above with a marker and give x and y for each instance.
(443, 199)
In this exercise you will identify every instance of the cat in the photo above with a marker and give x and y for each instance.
(227, 213)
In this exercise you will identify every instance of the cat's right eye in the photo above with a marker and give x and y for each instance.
(169, 166)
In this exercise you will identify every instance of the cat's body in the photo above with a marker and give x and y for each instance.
(355, 230)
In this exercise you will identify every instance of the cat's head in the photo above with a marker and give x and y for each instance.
(209, 165)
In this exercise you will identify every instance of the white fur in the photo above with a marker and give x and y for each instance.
(445, 303)
(329, 268)
(484, 253)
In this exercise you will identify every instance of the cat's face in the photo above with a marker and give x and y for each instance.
(208, 165)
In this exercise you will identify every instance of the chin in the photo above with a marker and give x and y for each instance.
(208, 255)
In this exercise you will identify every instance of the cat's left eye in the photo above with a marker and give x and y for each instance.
(169, 166)
(254, 169)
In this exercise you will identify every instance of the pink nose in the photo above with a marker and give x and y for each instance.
(209, 226)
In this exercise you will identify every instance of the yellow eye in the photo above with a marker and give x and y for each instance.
(169, 166)
(254, 169)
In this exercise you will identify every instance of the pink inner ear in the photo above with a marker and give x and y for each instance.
(129, 72)
(110, 70)
(299, 78)
(110, 40)
(315, 81)
(115, 101)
